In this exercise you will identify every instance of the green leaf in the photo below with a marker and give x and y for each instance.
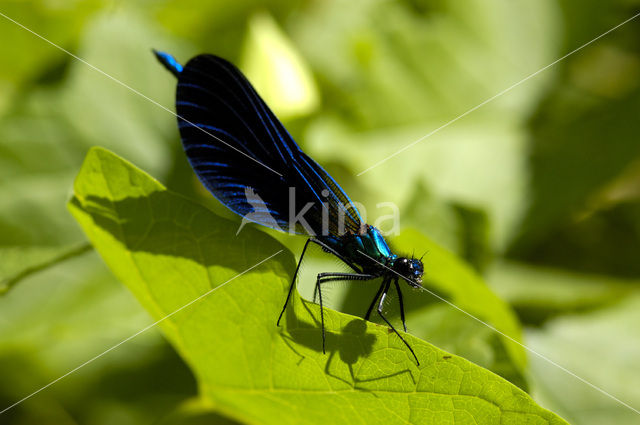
(37, 155)
(169, 251)
(26, 56)
(452, 279)
(276, 70)
(396, 74)
(540, 293)
(571, 222)
(601, 347)
(48, 129)
(432, 319)
(195, 412)
(460, 229)
(93, 102)
(59, 318)
(18, 262)
(453, 163)
(391, 66)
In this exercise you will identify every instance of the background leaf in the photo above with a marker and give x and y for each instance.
(55, 320)
(16, 263)
(606, 338)
(399, 70)
(539, 293)
(276, 69)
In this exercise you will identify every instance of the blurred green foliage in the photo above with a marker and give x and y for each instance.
(538, 190)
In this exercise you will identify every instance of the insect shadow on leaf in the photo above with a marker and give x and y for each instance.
(351, 344)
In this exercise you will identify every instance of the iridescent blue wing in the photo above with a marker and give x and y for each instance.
(247, 159)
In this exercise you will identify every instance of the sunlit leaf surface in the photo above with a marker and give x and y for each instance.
(169, 251)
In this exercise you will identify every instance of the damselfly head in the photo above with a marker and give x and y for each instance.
(411, 270)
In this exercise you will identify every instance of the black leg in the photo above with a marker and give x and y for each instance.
(395, 282)
(332, 277)
(384, 295)
(328, 277)
(327, 248)
(321, 313)
(293, 281)
(373, 302)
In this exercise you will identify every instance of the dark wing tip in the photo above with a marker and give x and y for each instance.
(168, 62)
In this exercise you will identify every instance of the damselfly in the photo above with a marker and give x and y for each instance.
(246, 158)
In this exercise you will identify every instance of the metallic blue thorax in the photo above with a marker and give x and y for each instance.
(379, 244)
(371, 243)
